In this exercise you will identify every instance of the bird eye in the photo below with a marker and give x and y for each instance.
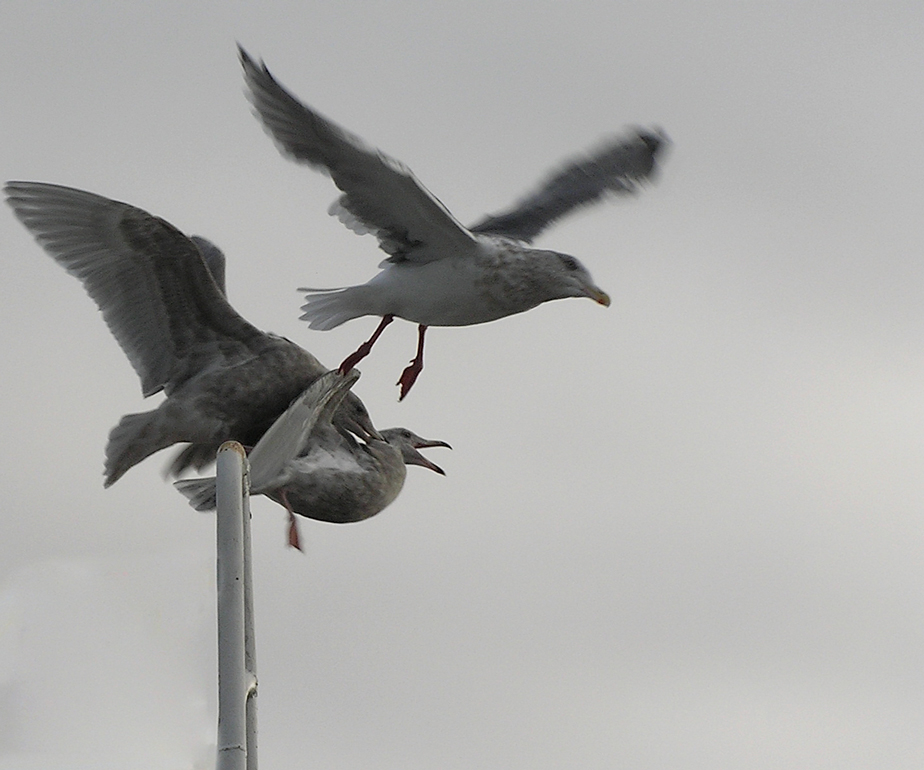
(569, 262)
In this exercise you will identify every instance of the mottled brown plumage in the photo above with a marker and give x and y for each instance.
(224, 378)
(313, 470)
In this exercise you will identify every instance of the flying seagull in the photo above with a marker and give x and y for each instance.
(438, 272)
(157, 290)
(306, 465)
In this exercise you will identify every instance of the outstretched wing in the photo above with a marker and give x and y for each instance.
(619, 166)
(380, 194)
(156, 293)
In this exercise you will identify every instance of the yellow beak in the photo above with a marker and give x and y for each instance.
(598, 295)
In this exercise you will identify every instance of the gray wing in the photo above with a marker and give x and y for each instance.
(214, 260)
(288, 436)
(149, 280)
(380, 195)
(619, 166)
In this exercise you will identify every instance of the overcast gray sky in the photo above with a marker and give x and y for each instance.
(682, 532)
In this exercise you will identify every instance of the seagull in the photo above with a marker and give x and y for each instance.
(162, 295)
(313, 470)
(439, 272)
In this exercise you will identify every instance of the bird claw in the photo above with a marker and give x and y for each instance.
(409, 377)
(294, 539)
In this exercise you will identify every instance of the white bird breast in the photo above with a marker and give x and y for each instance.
(456, 291)
(323, 459)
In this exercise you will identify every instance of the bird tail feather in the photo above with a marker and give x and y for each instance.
(194, 456)
(201, 492)
(325, 309)
(136, 437)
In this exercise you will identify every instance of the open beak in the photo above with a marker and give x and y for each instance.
(413, 457)
(427, 444)
(418, 459)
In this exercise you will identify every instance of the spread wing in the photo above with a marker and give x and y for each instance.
(380, 194)
(619, 166)
(156, 293)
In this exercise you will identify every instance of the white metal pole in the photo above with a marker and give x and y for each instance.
(250, 649)
(233, 681)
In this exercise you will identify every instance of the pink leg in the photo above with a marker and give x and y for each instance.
(294, 540)
(409, 375)
(363, 350)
